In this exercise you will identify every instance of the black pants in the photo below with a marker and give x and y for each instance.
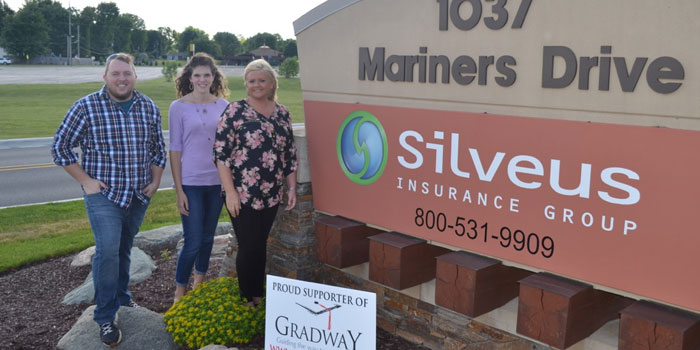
(252, 228)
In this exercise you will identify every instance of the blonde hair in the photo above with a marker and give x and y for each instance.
(124, 57)
(261, 64)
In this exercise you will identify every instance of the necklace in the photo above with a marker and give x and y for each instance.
(201, 112)
(204, 109)
(195, 100)
(200, 108)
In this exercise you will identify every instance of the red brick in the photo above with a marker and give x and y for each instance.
(342, 242)
(561, 312)
(650, 326)
(401, 261)
(474, 285)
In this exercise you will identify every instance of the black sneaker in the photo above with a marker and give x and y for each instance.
(110, 334)
(131, 303)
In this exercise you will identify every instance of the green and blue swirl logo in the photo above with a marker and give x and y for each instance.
(362, 148)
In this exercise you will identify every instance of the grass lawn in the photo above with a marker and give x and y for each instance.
(34, 233)
(37, 110)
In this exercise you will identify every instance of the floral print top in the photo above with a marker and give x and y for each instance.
(260, 152)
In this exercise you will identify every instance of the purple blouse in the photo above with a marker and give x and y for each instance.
(193, 132)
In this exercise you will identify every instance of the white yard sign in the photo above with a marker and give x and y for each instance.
(312, 316)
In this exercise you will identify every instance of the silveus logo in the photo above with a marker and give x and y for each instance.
(362, 148)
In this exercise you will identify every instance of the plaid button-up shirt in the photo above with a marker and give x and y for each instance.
(117, 148)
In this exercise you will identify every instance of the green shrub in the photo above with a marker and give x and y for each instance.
(290, 67)
(169, 70)
(213, 313)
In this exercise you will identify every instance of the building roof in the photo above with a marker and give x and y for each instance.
(264, 51)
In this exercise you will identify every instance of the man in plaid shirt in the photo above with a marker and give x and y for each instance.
(119, 132)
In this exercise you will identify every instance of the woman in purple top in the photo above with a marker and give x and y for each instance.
(255, 155)
(193, 119)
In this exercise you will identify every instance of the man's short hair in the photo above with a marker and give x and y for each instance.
(120, 56)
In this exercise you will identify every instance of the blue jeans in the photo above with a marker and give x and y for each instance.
(114, 229)
(198, 228)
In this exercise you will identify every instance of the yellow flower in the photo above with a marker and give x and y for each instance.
(212, 314)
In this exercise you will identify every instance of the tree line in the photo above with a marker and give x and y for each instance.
(40, 27)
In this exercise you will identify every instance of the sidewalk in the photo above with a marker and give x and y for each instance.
(43, 142)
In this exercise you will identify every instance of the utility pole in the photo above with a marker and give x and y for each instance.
(70, 38)
(78, 46)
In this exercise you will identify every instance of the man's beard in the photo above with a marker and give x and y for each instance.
(120, 97)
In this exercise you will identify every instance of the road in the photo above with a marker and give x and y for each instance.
(28, 175)
(48, 74)
(27, 74)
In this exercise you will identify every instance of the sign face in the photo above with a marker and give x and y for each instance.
(623, 62)
(305, 315)
(609, 204)
(561, 135)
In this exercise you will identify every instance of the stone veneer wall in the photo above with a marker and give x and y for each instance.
(292, 254)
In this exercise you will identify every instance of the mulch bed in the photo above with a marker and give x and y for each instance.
(33, 317)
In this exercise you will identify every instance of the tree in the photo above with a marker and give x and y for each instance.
(200, 39)
(230, 46)
(86, 21)
(208, 46)
(105, 26)
(26, 33)
(260, 39)
(133, 30)
(290, 67)
(56, 18)
(122, 36)
(130, 34)
(5, 14)
(190, 36)
(139, 40)
(170, 38)
(169, 70)
(136, 21)
(155, 43)
(289, 48)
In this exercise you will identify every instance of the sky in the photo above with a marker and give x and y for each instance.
(240, 17)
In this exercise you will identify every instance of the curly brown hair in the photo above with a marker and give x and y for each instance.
(218, 88)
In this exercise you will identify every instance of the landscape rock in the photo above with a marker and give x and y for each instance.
(159, 239)
(166, 238)
(216, 347)
(141, 268)
(83, 258)
(141, 329)
(218, 251)
(224, 227)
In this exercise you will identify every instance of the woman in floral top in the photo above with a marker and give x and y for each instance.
(255, 155)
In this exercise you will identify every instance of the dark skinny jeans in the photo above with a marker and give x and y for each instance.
(252, 227)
